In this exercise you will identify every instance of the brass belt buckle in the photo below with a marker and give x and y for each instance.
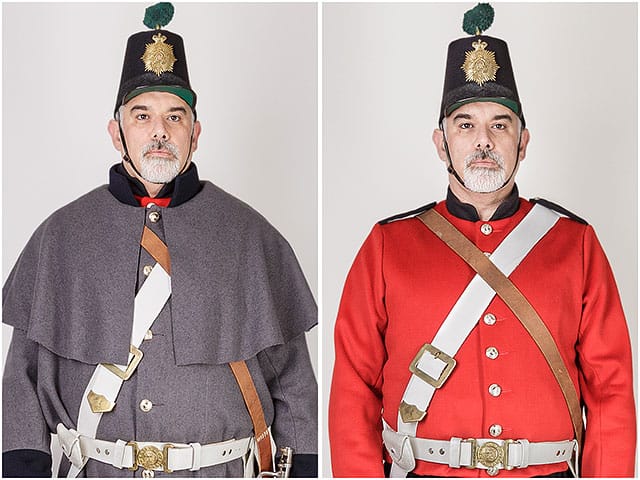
(151, 458)
(133, 364)
(438, 354)
(491, 455)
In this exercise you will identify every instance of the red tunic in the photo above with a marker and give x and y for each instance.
(400, 288)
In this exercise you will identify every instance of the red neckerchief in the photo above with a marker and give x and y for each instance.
(161, 202)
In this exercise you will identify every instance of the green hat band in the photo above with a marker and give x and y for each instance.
(183, 93)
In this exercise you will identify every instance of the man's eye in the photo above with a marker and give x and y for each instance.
(142, 116)
(499, 126)
(465, 126)
(174, 118)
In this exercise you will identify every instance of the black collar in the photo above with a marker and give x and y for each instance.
(466, 211)
(181, 189)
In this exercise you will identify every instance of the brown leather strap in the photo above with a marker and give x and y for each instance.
(252, 401)
(156, 248)
(159, 251)
(518, 304)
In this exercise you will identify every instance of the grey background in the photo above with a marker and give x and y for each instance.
(383, 68)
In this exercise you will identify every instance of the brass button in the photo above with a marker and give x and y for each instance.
(489, 319)
(151, 205)
(495, 390)
(146, 405)
(154, 216)
(486, 229)
(495, 430)
(147, 270)
(492, 353)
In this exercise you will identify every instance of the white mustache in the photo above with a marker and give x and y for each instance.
(161, 145)
(482, 155)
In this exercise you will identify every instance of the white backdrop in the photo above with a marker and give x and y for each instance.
(253, 66)
(383, 68)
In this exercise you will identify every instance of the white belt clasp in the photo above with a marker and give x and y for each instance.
(70, 442)
(399, 447)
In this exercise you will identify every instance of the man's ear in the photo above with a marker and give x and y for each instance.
(197, 130)
(525, 136)
(114, 132)
(438, 142)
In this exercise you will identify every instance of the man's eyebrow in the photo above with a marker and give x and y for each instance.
(465, 116)
(503, 116)
(146, 108)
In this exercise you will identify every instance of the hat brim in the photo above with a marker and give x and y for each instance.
(185, 94)
(510, 104)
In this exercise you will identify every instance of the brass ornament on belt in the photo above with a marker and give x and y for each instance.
(490, 454)
(480, 64)
(150, 457)
(158, 56)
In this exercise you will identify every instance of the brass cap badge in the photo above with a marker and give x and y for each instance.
(158, 56)
(480, 64)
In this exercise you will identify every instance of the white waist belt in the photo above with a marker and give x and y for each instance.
(509, 454)
(489, 454)
(167, 457)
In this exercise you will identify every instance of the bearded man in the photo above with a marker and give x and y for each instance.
(474, 333)
(158, 321)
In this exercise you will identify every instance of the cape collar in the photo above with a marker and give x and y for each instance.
(181, 189)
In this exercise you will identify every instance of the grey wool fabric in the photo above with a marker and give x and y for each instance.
(237, 294)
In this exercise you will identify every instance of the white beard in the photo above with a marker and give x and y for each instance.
(159, 169)
(482, 179)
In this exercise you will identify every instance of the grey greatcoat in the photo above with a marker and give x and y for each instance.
(237, 294)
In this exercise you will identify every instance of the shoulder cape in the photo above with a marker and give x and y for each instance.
(237, 287)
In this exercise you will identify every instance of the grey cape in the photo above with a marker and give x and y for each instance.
(237, 294)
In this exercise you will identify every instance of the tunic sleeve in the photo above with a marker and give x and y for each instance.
(355, 426)
(606, 372)
(289, 376)
(24, 426)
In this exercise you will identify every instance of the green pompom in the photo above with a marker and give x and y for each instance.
(478, 19)
(158, 15)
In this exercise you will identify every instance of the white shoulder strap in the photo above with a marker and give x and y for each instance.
(435, 361)
(103, 388)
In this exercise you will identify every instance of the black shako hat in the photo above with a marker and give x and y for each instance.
(479, 67)
(155, 60)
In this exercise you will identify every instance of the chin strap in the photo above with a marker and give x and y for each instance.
(453, 172)
(125, 156)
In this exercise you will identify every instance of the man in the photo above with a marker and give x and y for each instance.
(438, 371)
(158, 321)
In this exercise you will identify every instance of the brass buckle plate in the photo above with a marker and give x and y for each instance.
(438, 354)
(133, 364)
(490, 454)
(150, 457)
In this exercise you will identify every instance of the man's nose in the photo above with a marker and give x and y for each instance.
(484, 142)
